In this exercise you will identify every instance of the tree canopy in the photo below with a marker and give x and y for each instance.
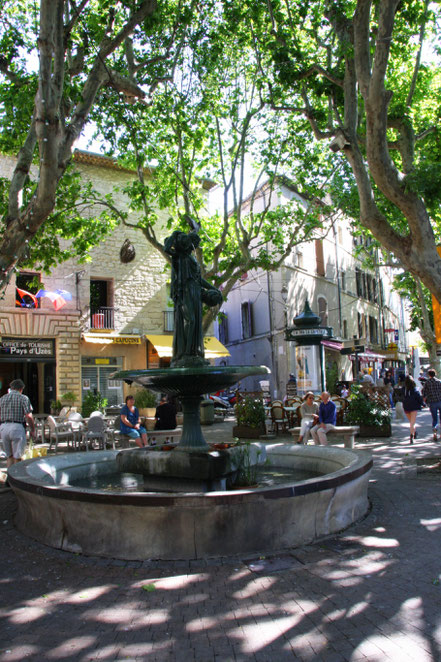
(199, 90)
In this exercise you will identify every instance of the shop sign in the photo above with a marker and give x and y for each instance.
(136, 340)
(27, 347)
(315, 331)
(102, 361)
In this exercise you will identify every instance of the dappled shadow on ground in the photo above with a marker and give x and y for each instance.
(373, 592)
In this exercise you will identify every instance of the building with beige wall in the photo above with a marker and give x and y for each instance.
(115, 307)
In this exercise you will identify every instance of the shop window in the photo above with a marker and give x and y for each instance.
(96, 376)
(26, 287)
(247, 319)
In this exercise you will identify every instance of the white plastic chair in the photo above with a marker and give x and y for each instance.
(96, 431)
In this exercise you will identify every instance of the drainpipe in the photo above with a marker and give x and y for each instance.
(337, 273)
(271, 335)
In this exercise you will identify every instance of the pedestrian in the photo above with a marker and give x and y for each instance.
(389, 383)
(327, 420)
(367, 377)
(309, 416)
(432, 397)
(15, 412)
(412, 403)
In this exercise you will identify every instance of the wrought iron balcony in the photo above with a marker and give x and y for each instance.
(102, 318)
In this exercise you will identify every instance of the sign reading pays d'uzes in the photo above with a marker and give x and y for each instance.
(27, 347)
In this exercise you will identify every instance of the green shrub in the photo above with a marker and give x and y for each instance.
(364, 411)
(93, 402)
(68, 398)
(145, 398)
(250, 411)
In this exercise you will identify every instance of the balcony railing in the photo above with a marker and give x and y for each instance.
(102, 318)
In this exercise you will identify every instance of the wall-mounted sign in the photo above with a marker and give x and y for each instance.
(27, 347)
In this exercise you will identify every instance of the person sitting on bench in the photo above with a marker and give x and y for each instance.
(130, 423)
(327, 420)
(165, 415)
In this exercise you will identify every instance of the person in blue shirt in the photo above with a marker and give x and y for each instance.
(130, 423)
(327, 420)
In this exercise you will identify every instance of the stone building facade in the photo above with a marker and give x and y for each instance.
(359, 305)
(114, 307)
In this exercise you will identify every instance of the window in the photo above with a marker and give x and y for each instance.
(345, 328)
(323, 311)
(101, 304)
(27, 286)
(343, 280)
(360, 319)
(358, 282)
(320, 260)
(373, 329)
(247, 319)
(223, 328)
(96, 377)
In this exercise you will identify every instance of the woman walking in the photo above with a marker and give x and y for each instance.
(412, 403)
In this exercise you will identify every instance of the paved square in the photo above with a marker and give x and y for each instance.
(371, 593)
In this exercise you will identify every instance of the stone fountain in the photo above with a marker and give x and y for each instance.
(192, 464)
(195, 518)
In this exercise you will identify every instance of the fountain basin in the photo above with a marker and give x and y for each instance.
(137, 526)
(190, 381)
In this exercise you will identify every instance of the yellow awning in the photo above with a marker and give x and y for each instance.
(164, 346)
(112, 339)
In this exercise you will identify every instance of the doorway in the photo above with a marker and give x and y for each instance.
(39, 379)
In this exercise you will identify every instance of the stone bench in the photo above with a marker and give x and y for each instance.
(345, 433)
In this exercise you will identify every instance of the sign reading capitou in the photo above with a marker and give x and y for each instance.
(27, 347)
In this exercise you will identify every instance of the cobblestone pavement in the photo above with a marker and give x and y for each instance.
(372, 592)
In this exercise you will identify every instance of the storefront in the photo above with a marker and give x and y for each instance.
(32, 360)
(102, 354)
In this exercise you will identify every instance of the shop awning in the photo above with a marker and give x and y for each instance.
(164, 346)
(112, 338)
(332, 344)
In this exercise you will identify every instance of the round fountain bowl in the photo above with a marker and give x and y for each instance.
(150, 525)
(193, 380)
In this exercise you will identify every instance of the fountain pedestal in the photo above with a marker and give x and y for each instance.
(179, 470)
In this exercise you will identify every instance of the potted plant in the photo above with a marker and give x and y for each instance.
(56, 407)
(373, 416)
(146, 402)
(93, 402)
(250, 415)
(68, 400)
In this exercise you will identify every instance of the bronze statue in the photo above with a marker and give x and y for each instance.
(188, 291)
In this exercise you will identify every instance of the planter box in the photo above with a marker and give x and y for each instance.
(375, 431)
(247, 432)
